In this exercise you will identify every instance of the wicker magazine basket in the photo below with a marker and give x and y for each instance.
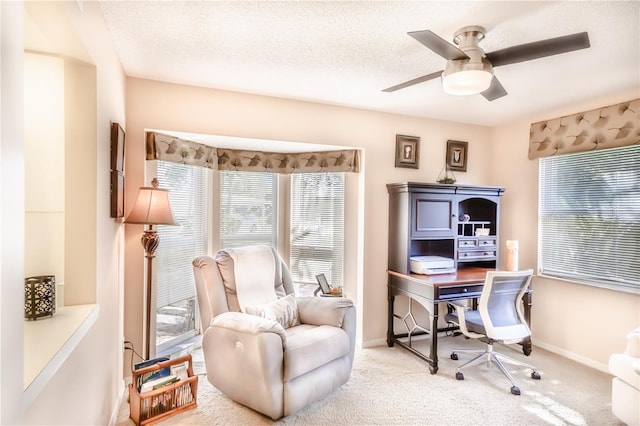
(165, 401)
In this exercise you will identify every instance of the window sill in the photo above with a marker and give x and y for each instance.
(49, 342)
(607, 286)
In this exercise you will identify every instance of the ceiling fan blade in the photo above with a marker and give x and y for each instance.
(438, 44)
(539, 49)
(414, 81)
(494, 91)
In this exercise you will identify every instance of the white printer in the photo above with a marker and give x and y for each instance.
(431, 265)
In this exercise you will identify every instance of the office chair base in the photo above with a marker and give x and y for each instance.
(494, 358)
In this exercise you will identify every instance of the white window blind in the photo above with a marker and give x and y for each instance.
(179, 245)
(589, 217)
(248, 213)
(317, 227)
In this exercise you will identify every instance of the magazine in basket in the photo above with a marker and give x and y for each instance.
(162, 389)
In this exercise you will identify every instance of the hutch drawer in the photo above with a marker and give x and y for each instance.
(479, 242)
(477, 254)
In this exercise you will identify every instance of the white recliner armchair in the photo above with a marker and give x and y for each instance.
(625, 390)
(263, 346)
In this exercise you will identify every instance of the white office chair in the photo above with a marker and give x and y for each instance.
(499, 318)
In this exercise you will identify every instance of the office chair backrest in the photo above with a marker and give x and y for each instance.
(500, 307)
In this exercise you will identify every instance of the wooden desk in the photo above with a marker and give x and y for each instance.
(429, 291)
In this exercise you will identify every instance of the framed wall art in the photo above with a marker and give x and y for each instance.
(457, 155)
(117, 147)
(407, 151)
(117, 171)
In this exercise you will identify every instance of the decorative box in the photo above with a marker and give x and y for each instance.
(39, 296)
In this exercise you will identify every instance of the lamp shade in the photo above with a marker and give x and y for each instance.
(152, 208)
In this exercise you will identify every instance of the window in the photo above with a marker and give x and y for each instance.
(317, 227)
(248, 213)
(589, 217)
(179, 245)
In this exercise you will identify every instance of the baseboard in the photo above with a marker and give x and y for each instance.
(122, 394)
(374, 343)
(574, 357)
(554, 349)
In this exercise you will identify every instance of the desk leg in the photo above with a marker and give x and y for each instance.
(390, 333)
(433, 363)
(526, 343)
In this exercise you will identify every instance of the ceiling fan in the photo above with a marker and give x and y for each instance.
(469, 69)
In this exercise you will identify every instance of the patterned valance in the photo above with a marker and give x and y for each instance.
(177, 150)
(607, 127)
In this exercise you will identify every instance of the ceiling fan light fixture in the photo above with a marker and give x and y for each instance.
(466, 82)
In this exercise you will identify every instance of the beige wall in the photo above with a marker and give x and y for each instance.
(165, 106)
(583, 323)
(497, 156)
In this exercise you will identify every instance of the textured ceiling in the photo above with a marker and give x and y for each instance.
(345, 53)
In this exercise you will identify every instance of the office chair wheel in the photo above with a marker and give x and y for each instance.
(459, 376)
(454, 356)
(515, 390)
(535, 375)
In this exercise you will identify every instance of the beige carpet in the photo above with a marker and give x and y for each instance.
(390, 386)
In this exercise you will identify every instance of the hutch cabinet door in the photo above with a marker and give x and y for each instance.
(433, 216)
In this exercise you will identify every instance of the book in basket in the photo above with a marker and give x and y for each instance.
(152, 375)
(158, 383)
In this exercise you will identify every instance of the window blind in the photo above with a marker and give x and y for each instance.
(248, 213)
(179, 245)
(589, 217)
(317, 227)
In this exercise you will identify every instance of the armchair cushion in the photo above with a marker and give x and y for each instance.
(309, 347)
(284, 311)
(249, 273)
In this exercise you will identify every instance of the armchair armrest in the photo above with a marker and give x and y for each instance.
(323, 310)
(248, 324)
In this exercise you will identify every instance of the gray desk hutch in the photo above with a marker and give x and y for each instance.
(440, 220)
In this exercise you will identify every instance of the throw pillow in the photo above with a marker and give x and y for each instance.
(284, 311)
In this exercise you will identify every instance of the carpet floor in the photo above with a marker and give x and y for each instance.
(390, 386)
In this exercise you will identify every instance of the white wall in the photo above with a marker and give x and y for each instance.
(584, 323)
(11, 212)
(44, 166)
(86, 388)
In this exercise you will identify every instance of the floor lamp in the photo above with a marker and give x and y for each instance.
(152, 207)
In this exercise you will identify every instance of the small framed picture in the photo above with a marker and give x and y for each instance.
(323, 283)
(117, 147)
(407, 154)
(457, 155)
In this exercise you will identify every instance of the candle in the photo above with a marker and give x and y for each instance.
(512, 255)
